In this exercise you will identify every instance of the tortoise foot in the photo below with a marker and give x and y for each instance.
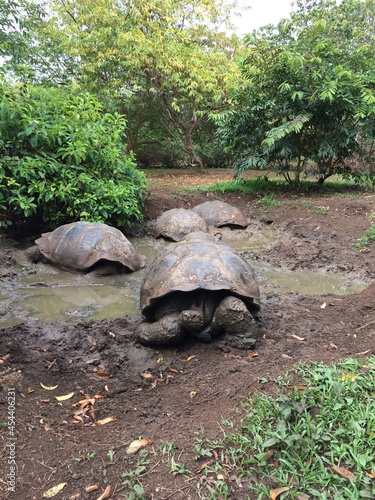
(241, 329)
(165, 331)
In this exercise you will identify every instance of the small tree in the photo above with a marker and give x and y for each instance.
(171, 56)
(310, 92)
(62, 158)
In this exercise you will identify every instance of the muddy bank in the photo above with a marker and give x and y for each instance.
(176, 395)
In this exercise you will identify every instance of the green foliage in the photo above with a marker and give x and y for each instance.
(62, 158)
(369, 238)
(322, 417)
(163, 64)
(268, 202)
(268, 188)
(308, 104)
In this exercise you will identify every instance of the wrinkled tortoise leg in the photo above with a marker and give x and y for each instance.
(197, 319)
(193, 322)
(167, 330)
(240, 328)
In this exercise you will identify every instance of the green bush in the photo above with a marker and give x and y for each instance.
(62, 158)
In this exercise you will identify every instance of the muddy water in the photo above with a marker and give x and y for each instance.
(47, 293)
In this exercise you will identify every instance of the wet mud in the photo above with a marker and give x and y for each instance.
(177, 394)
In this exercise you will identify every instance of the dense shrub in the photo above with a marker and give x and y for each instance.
(62, 158)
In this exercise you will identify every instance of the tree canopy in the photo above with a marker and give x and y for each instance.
(297, 97)
(308, 104)
(169, 59)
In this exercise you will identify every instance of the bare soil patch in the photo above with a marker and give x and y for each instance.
(174, 396)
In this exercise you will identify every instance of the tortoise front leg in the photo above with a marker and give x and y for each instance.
(240, 328)
(197, 319)
(167, 330)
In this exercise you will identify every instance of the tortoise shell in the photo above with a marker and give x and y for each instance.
(198, 262)
(81, 245)
(176, 223)
(218, 213)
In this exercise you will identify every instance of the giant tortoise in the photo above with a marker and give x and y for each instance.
(219, 213)
(87, 246)
(176, 223)
(199, 286)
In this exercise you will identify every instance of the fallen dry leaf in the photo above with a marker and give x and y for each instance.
(298, 387)
(137, 445)
(85, 402)
(278, 491)
(193, 394)
(188, 359)
(105, 493)
(30, 390)
(349, 376)
(203, 466)
(102, 374)
(65, 396)
(252, 354)
(49, 387)
(230, 355)
(147, 375)
(323, 306)
(90, 489)
(297, 337)
(343, 472)
(269, 455)
(54, 490)
(105, 421)
(371, 475)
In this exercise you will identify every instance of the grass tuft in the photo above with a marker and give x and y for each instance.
(316, 437)
(264, 185)
(368, 239)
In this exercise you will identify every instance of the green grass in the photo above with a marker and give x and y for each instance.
(368, 239)
(264, 185)
(268, 201)
(322, 417)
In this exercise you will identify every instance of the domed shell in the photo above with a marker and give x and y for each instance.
(81, 245)
(218, 213)
(176, 223)
(198, 262)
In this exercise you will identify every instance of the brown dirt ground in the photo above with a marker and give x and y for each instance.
(186, 389)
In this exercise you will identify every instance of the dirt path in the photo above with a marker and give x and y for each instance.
(176, 396)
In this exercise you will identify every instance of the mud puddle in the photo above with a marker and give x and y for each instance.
(48, 294)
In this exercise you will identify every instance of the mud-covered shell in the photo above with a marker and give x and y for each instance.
(218, 213)
(81, 245)
(198, 262)
(176, 223)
